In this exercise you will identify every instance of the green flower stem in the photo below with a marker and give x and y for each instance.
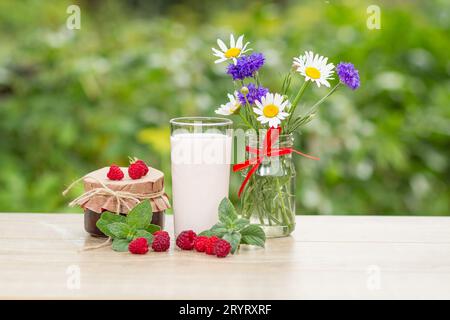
(286, 83)
(314, 107)
(256, 77)
(277, 222)
(260, 215)
(280, 196)
(291, 208)
(269, 216)
(245, 120)
(249, 108)
(297, 99)
(286, 218)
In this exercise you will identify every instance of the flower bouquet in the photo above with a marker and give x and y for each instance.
(268, 189)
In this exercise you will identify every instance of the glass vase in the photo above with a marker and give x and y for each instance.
(269, 198)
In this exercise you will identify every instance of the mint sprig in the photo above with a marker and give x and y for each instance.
(123, 230)
(234, 229)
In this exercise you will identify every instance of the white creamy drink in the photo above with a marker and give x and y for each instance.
(200, 178)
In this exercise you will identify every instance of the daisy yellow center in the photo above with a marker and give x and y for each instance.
(232, 53)
(312, 72)
(270, 110)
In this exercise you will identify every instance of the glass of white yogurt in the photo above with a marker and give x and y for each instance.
(201, 156)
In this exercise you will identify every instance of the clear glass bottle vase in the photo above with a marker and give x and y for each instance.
(269, 197)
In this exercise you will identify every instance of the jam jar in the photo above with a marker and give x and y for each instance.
(120, 196)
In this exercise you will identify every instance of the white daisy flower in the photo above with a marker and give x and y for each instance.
(314, 68)
(270, 109)
(235, 50)
(230, 107)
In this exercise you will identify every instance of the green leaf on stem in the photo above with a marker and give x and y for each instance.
(240, 223)
(234, 229)
(119, 230)
(253, 235)
(234, 238)
(218, 230)
(206, 233)
(140, 216)
(120, 245)
(227, 212)
(144, 234)
(152, 228)
(107, 218)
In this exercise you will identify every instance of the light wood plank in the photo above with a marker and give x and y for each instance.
(327, 257)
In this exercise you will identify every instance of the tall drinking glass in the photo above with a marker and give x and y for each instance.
(201, 156)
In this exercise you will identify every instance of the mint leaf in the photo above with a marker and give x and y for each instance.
(206, 233)
(140, 216)
(119, 230)
(228, 222)
(234, 238)
(235, 230)
(120, 245)
(240, 223)
(218, 230)
(107, 218)
(227, 212)
(144, 234)
(131, 234)
(253, 235)
(152, 228)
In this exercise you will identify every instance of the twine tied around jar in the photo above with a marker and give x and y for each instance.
(119, 195)
(104, 190)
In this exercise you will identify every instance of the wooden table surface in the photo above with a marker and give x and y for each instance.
(328, 257)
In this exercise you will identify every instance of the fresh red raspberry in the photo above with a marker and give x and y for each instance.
(222, 248)
(211, 245)
(136, 171)
(138, 246)
(161, 233)
(143, 164)
(200, 243)
(161, 241)
(185, 240)
(114, 173)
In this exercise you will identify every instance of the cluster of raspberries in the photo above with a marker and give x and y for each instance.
(136, 170)
(188, 240)
(161, 243)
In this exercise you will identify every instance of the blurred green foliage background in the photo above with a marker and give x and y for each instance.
(72, 101)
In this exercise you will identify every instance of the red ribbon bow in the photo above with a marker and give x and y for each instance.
(272, 135)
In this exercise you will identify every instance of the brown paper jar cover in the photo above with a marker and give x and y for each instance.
(152, 182)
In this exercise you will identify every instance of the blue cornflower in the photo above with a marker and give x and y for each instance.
(348, 75)
(254, 94)
(246, 66)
